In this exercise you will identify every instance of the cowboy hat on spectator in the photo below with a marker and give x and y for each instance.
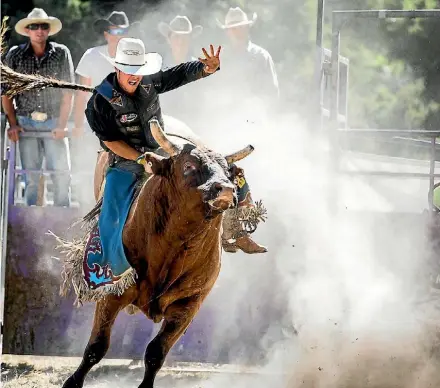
(116, 19)
(131, 58)
(38, 15)
(236, 17)
(179, 25)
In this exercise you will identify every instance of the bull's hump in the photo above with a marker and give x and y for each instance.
(180, 132)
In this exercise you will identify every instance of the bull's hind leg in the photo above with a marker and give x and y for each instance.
(178, 316)
(106, 312)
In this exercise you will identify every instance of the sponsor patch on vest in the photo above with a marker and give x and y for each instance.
(152, 106)
(147, 88)
(134, 128)
(117, 98)
(128, 118)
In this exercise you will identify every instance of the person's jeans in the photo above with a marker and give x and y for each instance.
(32, 151)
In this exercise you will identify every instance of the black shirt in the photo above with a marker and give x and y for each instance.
(103, 117)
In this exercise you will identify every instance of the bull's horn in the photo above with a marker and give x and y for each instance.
(159, 135)
(236, 156)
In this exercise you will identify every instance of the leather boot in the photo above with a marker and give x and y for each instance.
(234, 236)
(244, 242)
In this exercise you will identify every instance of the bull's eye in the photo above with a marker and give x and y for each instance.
(188, 168)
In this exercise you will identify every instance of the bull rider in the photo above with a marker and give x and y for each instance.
(121, 106)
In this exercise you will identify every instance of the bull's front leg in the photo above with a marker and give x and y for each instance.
(177, 318)
(106, 312)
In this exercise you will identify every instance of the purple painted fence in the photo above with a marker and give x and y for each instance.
(38, 321)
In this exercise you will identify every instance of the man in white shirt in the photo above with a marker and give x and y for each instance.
(93, 67)
(179, 35)
(248, 71)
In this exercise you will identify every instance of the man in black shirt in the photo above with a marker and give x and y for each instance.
(122, 105)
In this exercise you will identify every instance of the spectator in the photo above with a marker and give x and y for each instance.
(93, 67)
(179, 35)
(245, 62)
(41, 110)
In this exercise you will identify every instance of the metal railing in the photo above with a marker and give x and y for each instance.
(3, 227)
(339, 19)
(11, 161)
(9, 172)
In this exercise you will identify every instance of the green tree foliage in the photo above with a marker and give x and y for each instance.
(415, 42)
(386, 90)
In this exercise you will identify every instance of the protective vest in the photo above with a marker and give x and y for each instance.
(134, 112)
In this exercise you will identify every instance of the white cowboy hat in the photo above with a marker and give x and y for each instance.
(131, 58)
(236, 17)
(179, 25)
(38, 15)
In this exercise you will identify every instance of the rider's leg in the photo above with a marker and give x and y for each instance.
(234, 236)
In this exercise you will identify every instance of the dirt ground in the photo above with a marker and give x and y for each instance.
(50, 372)
(355, 363)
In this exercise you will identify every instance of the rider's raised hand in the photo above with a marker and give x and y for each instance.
(211, 62)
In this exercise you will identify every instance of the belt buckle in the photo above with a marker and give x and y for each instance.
(39, 116)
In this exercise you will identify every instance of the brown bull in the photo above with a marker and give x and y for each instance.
(173, 240)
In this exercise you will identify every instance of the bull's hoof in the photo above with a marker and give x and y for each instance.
(71, 382)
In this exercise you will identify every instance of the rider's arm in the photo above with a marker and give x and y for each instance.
(179, 75)
(122, 149)
(102, 120)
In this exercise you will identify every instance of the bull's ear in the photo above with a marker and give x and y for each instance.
(154, 164)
